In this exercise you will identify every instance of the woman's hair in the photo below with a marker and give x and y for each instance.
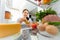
(25, 10)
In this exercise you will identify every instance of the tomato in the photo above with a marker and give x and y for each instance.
(34, 25)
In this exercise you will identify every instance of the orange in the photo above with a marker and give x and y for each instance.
(46, 1)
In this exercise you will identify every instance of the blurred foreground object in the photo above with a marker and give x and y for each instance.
(9, 29)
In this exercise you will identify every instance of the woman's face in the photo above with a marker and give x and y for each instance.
(25, 13)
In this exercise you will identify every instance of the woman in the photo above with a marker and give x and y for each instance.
(25, 18)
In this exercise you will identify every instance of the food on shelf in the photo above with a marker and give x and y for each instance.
(9, 29)
(51, 18)
(41, 14)
(7, 15)
(46, 1)
(54, 23)
(37, 23)
(34, 25)
(53, 30)
(45, 24)
(41, 27)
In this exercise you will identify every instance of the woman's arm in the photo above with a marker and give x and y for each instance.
(20, 20)
(24, 20)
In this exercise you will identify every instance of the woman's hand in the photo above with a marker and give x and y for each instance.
(28, 25)
(22, 20)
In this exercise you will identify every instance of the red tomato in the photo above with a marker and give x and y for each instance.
(34, 26)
